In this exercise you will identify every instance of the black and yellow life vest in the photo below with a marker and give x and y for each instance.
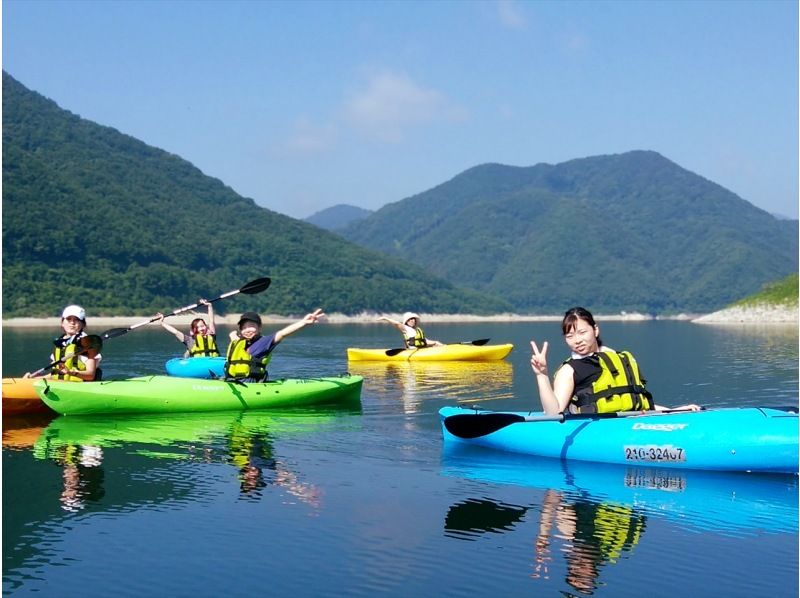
(205, 345)
(618, 387)
(240, 364)
(66, 347)
(418, 340)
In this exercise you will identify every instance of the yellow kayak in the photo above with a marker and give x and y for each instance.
(453, 352)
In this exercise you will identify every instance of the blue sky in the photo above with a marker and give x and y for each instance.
(304, 105)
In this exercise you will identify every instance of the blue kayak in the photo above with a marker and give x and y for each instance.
(196, 367)
(758, 439)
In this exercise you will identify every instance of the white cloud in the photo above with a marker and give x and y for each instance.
(307, 138)
(511, 15)
(392, 103)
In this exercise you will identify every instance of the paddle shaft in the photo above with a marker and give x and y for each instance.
(474, 425)
(251, 288)
(95, 345)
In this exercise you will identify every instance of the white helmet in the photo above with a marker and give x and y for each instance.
(408, 315)
(74, 310)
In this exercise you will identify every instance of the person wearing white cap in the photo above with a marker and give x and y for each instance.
(78, 365)
(413, 335)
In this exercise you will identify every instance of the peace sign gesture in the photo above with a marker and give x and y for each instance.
(539, 359)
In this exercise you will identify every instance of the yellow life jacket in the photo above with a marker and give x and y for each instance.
(612, 529)
(620, 386)
(418, 340)
(72, 361)
(240, 364)
(204, 345)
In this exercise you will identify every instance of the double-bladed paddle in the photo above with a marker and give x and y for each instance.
(88, 343)
(479, 342)
(474, 425)
(251, 288)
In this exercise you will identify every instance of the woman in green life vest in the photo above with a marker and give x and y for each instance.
(595, 379)
(202, 338)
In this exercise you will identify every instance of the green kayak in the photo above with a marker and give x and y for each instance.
(168, 394)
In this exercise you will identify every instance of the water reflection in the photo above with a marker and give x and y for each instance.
(244, 440)
(415, 382)
(588, 533)
(596, 514)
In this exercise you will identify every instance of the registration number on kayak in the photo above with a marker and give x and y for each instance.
(651, 452)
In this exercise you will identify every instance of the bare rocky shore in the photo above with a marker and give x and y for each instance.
(755, 314)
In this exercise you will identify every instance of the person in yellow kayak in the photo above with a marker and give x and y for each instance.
(596, 378)
(413, 335)
(79, 364)
(202, 338)
(249, 352)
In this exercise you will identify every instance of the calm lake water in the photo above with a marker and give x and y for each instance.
(367, 502)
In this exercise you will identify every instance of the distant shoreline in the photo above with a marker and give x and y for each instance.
(370, 318)
(756, 315)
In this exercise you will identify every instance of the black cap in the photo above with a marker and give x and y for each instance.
(250, 316)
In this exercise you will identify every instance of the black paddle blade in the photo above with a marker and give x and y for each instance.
(480, 341)
(91, 342)
(393, 352)
(256, 286)
(473, 425)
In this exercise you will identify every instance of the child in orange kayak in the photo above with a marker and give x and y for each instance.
(77, 363)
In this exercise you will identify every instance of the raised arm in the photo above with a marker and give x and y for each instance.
(555, 397)
(212, 326)
(395, 323)
(292, 328)
(178, 334)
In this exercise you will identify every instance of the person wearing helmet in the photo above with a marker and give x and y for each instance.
(202, 338)
(249, 352)
(79, 364)
(412, 332)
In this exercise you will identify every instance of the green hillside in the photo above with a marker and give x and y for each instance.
(782, 292)
(621, 232)
(338, 216)
(96, 217)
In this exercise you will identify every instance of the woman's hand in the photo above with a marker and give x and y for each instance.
(539, 359)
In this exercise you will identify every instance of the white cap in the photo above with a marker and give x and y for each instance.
(74, 310)
(408, 315)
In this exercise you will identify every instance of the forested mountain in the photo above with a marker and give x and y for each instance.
(338, 216)
(95, 217)
(620, 232)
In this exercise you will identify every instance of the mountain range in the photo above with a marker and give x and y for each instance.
(96, 217)
(631, 231)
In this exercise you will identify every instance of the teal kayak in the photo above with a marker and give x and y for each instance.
(756, 439)
(196, 367)
(168, 394)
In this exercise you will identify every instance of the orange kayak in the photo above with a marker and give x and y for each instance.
(19, 397)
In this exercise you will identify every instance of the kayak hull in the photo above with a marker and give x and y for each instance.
(168, 394)
(196, 367)
(454, 352)
(19, 397)
(755, 439)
